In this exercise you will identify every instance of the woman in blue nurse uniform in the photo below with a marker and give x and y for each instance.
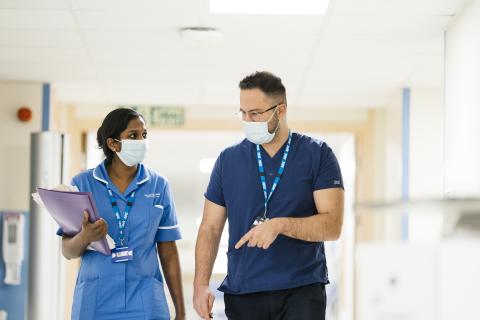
(138, 212)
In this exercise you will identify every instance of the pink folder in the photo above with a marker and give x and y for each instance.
(67, 208)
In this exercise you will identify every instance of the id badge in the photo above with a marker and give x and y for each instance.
(122, 254)
(258, 221)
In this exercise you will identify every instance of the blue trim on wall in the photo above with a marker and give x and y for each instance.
(405, 158)
(46, 107)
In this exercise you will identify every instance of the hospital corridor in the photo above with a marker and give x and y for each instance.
(239, 159)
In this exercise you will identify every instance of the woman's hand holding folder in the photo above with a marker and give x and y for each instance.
(68, 209)
(92, 232)
(74, 247)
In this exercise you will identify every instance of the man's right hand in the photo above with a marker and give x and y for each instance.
(203, 301)
(92, 232)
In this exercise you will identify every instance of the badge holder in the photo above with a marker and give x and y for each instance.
(258, 221)
(122, 254)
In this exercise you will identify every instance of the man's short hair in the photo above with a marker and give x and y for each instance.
(267, 82)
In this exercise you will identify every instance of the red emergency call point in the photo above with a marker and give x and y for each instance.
(24, 114)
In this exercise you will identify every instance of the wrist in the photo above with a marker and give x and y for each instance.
(281, 225)
(82, 236)
(180, 313)
(200, 285)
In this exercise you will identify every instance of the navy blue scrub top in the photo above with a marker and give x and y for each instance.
(134, 289)
(235, 184)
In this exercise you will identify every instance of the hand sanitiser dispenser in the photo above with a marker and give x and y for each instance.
(13, 253)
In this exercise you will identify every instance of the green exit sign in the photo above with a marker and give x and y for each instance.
(162, 116)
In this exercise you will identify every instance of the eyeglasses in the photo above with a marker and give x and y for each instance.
(254, 115)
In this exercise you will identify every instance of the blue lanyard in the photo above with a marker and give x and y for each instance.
(261, 170)
(122, 220)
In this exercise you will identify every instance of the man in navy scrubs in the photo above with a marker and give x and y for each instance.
(282, 193)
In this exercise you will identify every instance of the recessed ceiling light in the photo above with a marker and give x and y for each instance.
(278, 7)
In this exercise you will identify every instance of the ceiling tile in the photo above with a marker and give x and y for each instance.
(37, 4)
(108, 20)
(350, 84)
(393, 25)
(380, 44)
(395, 7)
(135, 39)
(46, 72)
(40, 38)
(92, 92)
(153, 93)
(261, 24)
(44, 55)
(36, 19)
(177, 6)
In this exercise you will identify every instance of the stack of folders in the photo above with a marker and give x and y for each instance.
(66, 206)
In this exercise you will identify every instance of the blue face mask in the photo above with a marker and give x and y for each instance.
(133, 151)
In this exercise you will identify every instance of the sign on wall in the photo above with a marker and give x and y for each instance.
(162, 116)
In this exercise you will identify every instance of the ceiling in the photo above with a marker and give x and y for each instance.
(360, 54)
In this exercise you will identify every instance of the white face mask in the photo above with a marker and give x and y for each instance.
(257, 132)
(133, 151)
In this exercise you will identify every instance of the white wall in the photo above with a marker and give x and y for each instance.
(426, 157)
(410, 281)
(388, 165)
(395, 281)
(15, 142)
(426, 144)
(426, 163)
(462, 104)
(393, 148)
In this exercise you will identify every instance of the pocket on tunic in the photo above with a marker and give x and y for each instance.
(154, 301)
(85, 300)
(156, 213)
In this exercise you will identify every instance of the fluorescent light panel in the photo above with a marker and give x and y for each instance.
(273, 7)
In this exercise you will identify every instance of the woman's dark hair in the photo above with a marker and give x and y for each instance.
(112, 126)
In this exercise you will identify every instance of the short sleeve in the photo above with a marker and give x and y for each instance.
(168, 229)
(60, 232)
(214, 191)
(328, 173)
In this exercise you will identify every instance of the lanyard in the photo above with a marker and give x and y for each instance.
(121, 219)
(261, 171)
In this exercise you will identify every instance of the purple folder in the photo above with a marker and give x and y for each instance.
(67, 208)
